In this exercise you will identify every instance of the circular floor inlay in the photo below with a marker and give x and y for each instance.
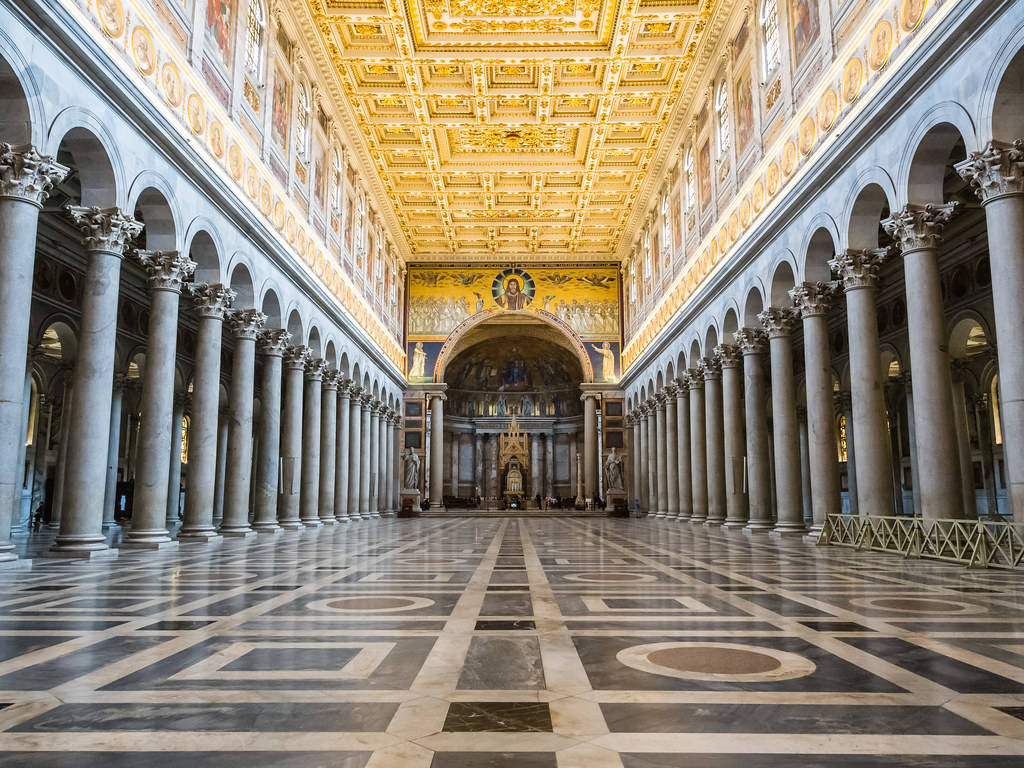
(917, 605)
(609, 576)
(369, 604)
(716, 662)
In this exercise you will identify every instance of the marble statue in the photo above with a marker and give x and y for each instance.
(410, 470)
(613, 471)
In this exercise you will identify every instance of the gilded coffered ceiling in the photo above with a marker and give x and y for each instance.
(511, 128)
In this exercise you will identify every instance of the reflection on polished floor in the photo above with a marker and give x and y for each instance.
(534, 643)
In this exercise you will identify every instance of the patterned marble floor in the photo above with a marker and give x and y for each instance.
(534, 643)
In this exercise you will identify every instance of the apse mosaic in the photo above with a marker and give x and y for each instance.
(582, 300)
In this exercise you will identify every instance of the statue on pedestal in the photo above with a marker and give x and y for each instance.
(410, 470)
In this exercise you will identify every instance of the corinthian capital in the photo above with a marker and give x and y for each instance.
(104, 229)
(272, 342)
(166, 270)
(728, 355)
(919, 226)
(995, 171)
(27, 175)
(712, 368)
(695, 376)
(812, 299)
(778, 321)
(246, 323)
(858, 268)
(295, 357)
(211, 300)
(751, 341)
(331, 379)
(315, 368)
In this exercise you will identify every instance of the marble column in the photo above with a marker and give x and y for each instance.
(209, 303)
(963, 442)
(535, 471)
(736, 506)
(549, 465)
(908, 395)
(222, 464)
(289, 494)
(355, 449)
(106, 234)
(812, 301)
(671, 453)
(113, 452)
(918, 231)
(245, 326)
(844, 404)
(309, 491)
(778, 323)
(589, 444)
(366, 402)
(661, 438)
(751, 342)
(478, 464)
(391, 505)
(638, 467)
(651, 440)
(271, 344)
(26, 179)
(996, 174)
(382, 460)
(685, 467)
(437, 450)
(698, 447)
(173, 503)
(328, 446)
(715, 438)
(805, 467)
(491, 465)
(645, 459)
(858, 271)
(376, 409)
(343, 430)
(66, 420)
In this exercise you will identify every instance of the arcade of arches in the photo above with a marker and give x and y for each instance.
(506, 383)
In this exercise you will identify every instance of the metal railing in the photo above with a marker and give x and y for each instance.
(976, 543)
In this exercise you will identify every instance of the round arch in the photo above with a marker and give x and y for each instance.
(451, 344)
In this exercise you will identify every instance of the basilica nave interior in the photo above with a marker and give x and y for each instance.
(492, 383)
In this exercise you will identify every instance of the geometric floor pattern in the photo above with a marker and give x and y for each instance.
(526, 643)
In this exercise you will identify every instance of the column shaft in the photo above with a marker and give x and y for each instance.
(382, 461)
(671, 454)
(290, 472)
(684, 463)
(736, 504)
(365, 478)
(343, 431)
(245, 325)
(328, 446)
(113, 451)
(355, 462)
(589, 445)
(436, 451)
(173, 502)
(272, 344)
(698, 448)
(759, 484)
(715, 437)
(309, 494)
(645, 460)
(636, 486)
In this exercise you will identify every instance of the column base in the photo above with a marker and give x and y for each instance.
(83, 550)
(237, 533)
(199, 536)
(376, 515)
(812, 537)
(756, 531)
(268, 530)
(390, 513)
(697, 520)
(714, 522)
(311, 523)
(153, 544)
(683, 518)
(788, 532)
(343, 519)
(327, 521)
(734, 524)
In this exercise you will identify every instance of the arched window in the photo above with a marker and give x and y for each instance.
(724, 128)
(691, 181)
(770, 35)
(255, 40)
(302, 120)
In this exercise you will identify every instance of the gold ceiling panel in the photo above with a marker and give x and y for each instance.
(510, 127)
